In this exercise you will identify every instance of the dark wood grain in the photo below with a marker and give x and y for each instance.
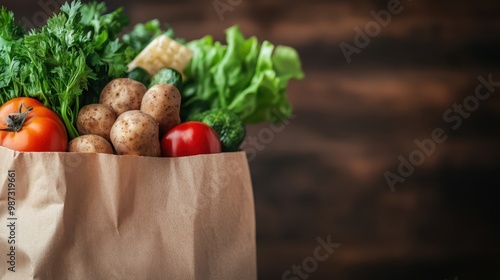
(324, 173)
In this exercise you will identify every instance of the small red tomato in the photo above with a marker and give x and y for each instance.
(189, 139)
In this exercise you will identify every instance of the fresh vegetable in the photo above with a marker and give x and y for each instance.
(162, 52)
(90, 144)
(65, 63)
(144, 33)
(136, 133)
(163, 103)
(96, 119)
(123, 95)
(167, 76)
(189, 139)
(28, 126)
(109, 57)
(244, 77)
(140, 75)
(228, 126)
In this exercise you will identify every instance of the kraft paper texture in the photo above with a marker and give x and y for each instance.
(95, 216)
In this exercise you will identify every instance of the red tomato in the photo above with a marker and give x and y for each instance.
(189, 139)
(28, 126)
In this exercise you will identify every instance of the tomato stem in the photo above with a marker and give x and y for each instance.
(15, 121)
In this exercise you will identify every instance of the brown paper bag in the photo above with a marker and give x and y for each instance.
(94, 216)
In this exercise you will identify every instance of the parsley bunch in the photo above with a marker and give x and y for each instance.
(65, 63)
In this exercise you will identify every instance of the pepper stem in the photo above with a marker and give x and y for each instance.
(15, 121)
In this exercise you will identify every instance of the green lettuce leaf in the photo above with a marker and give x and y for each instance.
(243, 76)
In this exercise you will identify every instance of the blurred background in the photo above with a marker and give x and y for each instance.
(357, 117)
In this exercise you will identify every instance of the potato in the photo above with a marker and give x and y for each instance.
(136, 133)
(96, 119)
(163, 103)
(123, 95)
(90, 144)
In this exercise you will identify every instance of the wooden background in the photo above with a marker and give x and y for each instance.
(323, 175)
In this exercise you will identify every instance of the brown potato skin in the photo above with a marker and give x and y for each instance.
(136, 133)
(96, 119)
(90, 144)
(163, 103)
(123, 95)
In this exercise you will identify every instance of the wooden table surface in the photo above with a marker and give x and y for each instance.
(323, 174)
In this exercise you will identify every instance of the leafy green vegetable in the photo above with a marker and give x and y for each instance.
(244, 77)
(66, 63)
(8, 29)
(10, 39)
(109, 57)
(145, 33)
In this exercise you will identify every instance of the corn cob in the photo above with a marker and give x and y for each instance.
(161, 53)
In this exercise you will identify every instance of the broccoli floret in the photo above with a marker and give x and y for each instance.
(228, 126)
